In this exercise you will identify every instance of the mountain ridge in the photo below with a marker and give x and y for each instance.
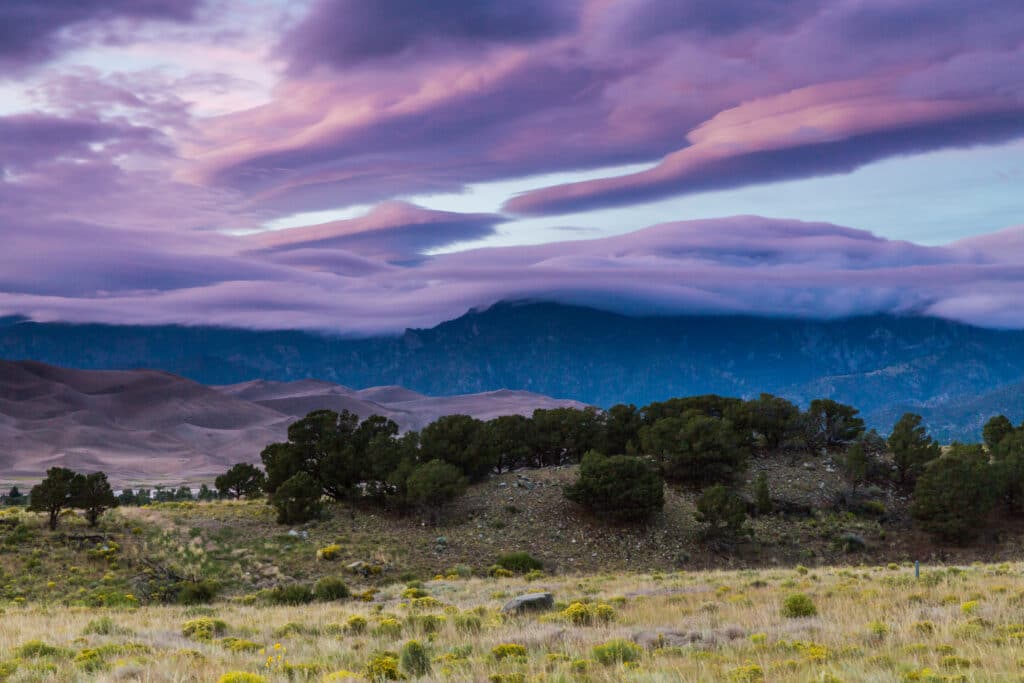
(882, 364)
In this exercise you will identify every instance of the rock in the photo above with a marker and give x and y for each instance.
(531, 602)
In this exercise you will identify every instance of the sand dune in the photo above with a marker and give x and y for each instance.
(149, 426)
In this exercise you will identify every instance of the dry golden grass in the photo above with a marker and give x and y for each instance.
(876, 624)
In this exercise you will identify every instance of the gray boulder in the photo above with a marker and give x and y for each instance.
(531, 602)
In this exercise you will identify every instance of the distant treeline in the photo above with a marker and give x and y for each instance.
(137, 497)
(628, 454)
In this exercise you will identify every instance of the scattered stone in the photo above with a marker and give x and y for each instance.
(531, 602)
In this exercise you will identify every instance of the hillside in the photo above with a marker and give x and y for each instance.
(150, 426)
(881, 364)
(88, 602)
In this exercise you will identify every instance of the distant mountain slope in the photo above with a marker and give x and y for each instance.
(881, 364)
(145, 425)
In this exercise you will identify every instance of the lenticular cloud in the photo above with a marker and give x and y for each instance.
(743, 264)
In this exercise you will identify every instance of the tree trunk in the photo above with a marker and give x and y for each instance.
(53, 518)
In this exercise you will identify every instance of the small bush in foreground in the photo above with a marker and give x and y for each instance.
(383, 666)
(239, 644)
(617, 651)
(36, 648)
(414, 659)
(508, 650)
(355, 625)
(241, 677)
(204, 628)
(105, 626)
(798, 605)
(388, 628)
(582, 614)
(750, 673)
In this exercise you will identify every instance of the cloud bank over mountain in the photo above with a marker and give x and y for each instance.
(310, 278)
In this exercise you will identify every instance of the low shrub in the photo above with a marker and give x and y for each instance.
(617, 651)
(498, 572)
(330, 553)
(293, 628)
(954, 662)
(35, 649)
(204, 628)
(330, 588)
(239, 644)
(519, 562)
(749, 673)
(383, 666)
(924, 627)
(355, 625)
(388, 628)
(508, 650)
(241, 677)
(425, 623)
(197, 592)
(798, 605)
(294, 594)
(468, 622)
(90, 659)
(414, 659)
(585, 614)
(105, 626)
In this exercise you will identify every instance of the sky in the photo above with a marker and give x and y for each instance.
(364, 166)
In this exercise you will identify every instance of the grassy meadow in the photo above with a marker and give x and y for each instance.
(631, 603)
(870, 624)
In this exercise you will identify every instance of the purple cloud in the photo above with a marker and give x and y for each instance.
(343, 33)
(614, 83)
(82, 260)
(645, 19)
(30, 30)
(702, 168)
(392, 232)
